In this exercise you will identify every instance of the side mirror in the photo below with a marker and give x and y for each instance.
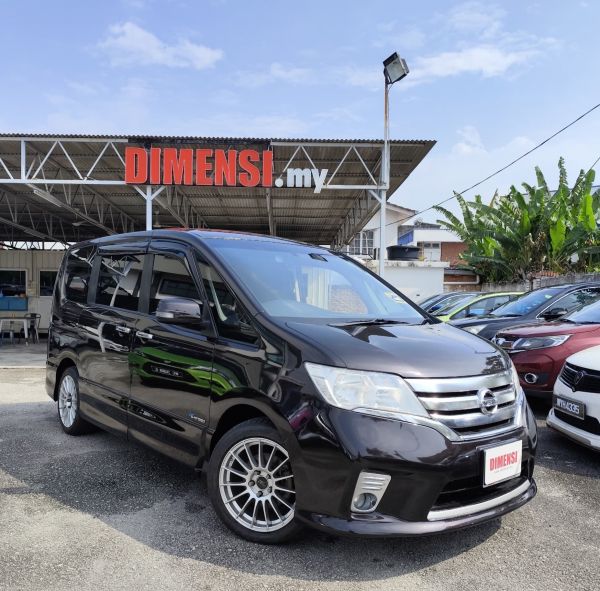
(554, 313)
(182, 311)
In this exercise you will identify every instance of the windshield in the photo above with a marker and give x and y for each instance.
(588, 315)
(289, 280)
(449, 305)
(527, 303)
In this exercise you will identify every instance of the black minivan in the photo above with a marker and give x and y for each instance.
(309, 390)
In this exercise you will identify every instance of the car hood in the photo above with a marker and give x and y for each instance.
(548, 328)
(429, 350)
(588, 358)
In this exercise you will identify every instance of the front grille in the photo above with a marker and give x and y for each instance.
(470, 490)
(589, 424)
(580, 379)
(457, 403)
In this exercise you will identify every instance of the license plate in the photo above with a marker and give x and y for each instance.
(502, 462)
(570, 407)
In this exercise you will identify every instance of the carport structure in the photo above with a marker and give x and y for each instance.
(69, 188)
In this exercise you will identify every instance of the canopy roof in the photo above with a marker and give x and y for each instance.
(67, 188)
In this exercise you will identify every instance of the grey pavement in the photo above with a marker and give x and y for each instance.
(95, 513)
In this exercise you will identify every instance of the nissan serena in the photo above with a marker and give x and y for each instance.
(308, 389)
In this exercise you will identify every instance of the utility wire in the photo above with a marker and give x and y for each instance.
(487, 178)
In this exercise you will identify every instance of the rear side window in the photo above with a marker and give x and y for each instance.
(77, 274)
(119, 281)
(171, 278)
(577, 299)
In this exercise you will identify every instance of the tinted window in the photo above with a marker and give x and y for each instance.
(577, 299)
(119, 281)
(454, 304)
(47, 281)
(588, 314)
(482, 307)
(77, 274)
(527, 303)
(231, 319)
(171, 278)
(290, 280)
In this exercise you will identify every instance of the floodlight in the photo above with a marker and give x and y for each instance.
(394, 68)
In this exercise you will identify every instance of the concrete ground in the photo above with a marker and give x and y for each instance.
(21, 355)
(96, 513)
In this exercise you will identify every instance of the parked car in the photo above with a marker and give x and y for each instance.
(311, 391)
(539, 351)
(435, 302)
(575, 409)
(475, 305)
(537, 306)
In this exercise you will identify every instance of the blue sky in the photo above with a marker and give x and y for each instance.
(487, 81)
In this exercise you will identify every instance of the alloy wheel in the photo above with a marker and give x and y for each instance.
(67, 401)
(256, 484)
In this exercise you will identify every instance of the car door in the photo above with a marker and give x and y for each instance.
(109, 321)
(171, 364)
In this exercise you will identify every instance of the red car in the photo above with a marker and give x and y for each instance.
(539, 351)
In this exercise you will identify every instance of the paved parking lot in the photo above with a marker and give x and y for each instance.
(96, 513)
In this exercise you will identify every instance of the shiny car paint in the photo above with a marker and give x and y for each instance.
(547, 362)
(179, 391)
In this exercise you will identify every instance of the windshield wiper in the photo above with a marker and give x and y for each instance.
(369, 322)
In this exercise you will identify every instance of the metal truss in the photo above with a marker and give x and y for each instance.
(41, 225)
(72, 175)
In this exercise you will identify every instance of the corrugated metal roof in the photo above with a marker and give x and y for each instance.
(298, 213)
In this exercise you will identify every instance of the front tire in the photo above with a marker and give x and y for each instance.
(251, 483)
(68, 404)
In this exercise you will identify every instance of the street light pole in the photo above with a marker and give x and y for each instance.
(394, 69)
(384, 179)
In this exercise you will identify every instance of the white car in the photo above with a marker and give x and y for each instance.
(576, 402)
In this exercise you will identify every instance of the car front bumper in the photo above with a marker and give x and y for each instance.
(435, 484)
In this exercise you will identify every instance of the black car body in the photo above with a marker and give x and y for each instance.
(534, 307)
(205, 344)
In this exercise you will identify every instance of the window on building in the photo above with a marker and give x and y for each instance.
(119, 281)
(12, 282)
(430, 251)
(47, 281)
(362, 244)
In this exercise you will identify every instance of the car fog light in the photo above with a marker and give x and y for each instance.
(530, 378)
(364, 502)
(368, 491)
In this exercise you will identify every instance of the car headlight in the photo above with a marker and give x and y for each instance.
(370, 392)
(521, 416)
(528, 343)
(475, 329)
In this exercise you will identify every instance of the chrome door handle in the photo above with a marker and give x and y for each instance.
(123, 329)
(144, 335)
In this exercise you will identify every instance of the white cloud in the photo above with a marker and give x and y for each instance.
(128, 44)
(369, 78)
(485, 60)
(476, 18)
(471, 141)
(395, 37)
(276, 72)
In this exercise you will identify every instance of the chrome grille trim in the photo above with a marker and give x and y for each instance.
(452, 385)
(437, 515)
(454, 403)
(468, 402)
(475, 419)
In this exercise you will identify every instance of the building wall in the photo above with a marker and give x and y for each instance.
(451, 250)
(416, 279)
(32, 262)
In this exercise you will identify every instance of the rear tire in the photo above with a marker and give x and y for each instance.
(251, 484)
(67, 404)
